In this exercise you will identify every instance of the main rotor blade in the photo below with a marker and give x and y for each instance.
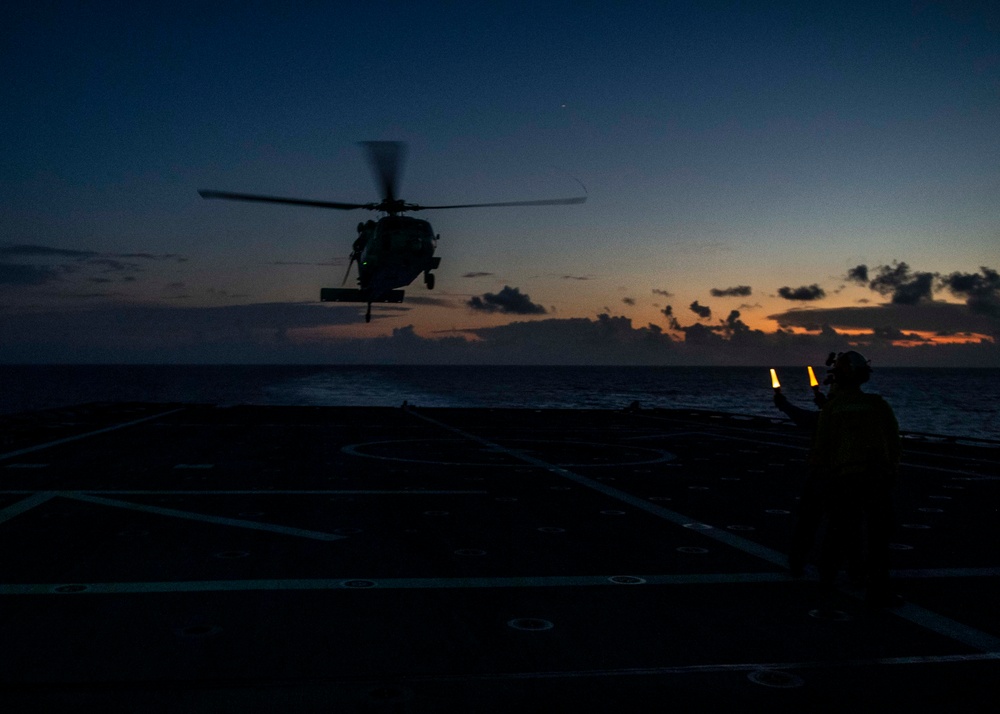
(275, 199)
(386, 159)
(546, 202)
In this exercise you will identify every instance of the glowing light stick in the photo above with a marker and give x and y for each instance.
(813, 382)
(774, 380)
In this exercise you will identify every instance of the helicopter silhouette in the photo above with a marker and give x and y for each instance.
(392, 251)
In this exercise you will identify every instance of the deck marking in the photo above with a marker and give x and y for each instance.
(106, 429)
(706, 668)
(974, 476)
(947, 573)
(546, 581)
(111, 492)
(25, 505)
(914, 613)
(356, 450)
(747, 546)
(173, 513)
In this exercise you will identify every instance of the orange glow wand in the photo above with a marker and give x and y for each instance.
(813, 382)
(774, 380)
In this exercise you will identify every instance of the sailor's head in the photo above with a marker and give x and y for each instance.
(851, 369)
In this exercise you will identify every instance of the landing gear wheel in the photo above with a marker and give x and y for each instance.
(429, 280)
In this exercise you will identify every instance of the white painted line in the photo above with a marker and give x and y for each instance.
(947, 573)
(708, 668)
(747, 546)
(26, 505)
(388, 583)
(172, 513)
(260, 492)
(39, 447)
(907, 464)
(925, 618)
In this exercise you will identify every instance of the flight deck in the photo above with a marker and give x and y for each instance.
(203, 558)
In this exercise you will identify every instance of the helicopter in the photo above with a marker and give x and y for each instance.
(394, 250)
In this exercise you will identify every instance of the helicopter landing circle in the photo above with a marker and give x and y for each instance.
(604, 454)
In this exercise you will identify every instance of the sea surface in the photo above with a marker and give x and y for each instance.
(954, 402)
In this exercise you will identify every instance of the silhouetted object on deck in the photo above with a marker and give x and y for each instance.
(856, 449)
(393, 251)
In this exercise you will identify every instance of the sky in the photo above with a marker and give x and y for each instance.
(765, 182)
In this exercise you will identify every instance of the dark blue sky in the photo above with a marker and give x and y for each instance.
(773, 145)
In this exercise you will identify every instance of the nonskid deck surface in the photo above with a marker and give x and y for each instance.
(191, 557)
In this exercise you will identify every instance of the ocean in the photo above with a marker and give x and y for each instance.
(953, 402)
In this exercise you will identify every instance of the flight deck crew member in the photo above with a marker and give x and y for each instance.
(856, 447)
(812, 502)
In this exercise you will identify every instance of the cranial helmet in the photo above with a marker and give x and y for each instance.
(851, 368)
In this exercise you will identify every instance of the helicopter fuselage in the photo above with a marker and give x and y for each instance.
(393, 252)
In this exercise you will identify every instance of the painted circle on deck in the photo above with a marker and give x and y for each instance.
(612, 513)
(692, 550)
(777, 511)
(530, 624)
(775, 678)
(698, 526)
(828, 613)
(626, 580)
(740, 528)
(358, 584)
(941, 498)
(900, 546)
(232, 554)
(70, 589)
(628, 455)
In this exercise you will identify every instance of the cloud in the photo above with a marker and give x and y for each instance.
(22, 251)
(628, 301)
(738, 291)
(477, 275)
(577, 277)
(892, 334)
(906, 287)
(25, 275)
(295, 333)
(433, 301)
(806, 292)
(981, 290)
(701, 311)
(858, 274)
(664, 293)
(509, 301)
(157, 333)
(27, 266)
(934, 316)
(336, 262)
